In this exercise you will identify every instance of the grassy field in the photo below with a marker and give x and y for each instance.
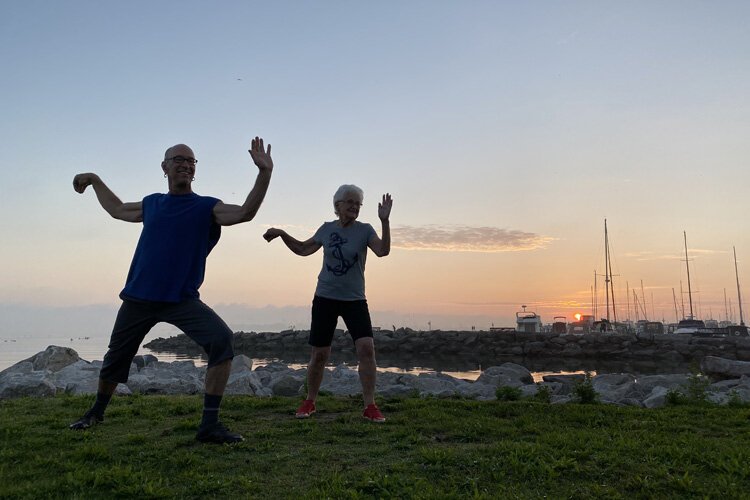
(428, 448)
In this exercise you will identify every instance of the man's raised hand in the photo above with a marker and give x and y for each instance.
(261, 157)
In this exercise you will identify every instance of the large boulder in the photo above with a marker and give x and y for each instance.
(567, 383)
(80, 377)
(342, 381)
(178, 377)
(54, 358)
(509, 374)
(613, 387)
(289, 384)
(244, 382)
(722, 368)
(17, 385)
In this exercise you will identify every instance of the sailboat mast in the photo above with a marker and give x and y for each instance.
(674, 299)
(612, 286)
(682, 300)
(606, 266)
(687, 265)
(627, 296)
(726, 310)
(596, 298)
(739, 298)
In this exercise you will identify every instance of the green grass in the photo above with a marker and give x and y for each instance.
(428, 448)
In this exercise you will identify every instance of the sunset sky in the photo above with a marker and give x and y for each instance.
(505, 131)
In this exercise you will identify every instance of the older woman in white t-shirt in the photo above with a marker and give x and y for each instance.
(341, 290)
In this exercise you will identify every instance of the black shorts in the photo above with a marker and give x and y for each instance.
(325, 316)
(135, 319)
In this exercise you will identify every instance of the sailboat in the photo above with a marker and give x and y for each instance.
(689, 324)
(606, 325)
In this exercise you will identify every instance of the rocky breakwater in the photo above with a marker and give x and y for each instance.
(59, 370)
(491, 345)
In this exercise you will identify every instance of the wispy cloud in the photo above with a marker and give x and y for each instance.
(456, 238)
(651, 256)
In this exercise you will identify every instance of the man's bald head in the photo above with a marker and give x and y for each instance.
(178, 150)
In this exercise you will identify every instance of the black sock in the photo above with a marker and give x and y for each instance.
(102, 400)
(211, 405)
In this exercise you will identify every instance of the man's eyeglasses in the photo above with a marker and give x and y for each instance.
(181, 159)
(352, 202)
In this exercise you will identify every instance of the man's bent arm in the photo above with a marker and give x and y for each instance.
(227, 215)
(129, 212)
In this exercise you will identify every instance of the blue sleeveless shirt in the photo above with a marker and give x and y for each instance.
(178, 233)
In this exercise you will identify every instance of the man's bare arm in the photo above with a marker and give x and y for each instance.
(303, 248)
(129, 212)
(227, 214)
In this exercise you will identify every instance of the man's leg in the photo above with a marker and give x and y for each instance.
(133, 322)
(204, 326)
(216, 382)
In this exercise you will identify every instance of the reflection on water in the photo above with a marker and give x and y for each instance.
(463, 367)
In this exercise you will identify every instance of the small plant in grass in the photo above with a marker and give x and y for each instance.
(675, 398)
(507, 393)
(543, 394)
(584, 391)
(697, 385)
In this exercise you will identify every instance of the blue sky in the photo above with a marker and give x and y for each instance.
(506, 132)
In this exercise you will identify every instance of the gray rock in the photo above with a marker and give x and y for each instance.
(613, 387)
(36, 383)
(242, 363)
(20, 367)
(509, 374)
(287, 385)
(80, 377)
(142, 360)
(342, 381)
(722, 368)
(567, 382)
(717, 398)
(178, 377)
(53, 358)
(242, 381)
(478, 390)
(657, 398)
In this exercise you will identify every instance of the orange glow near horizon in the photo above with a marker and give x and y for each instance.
(577, 316)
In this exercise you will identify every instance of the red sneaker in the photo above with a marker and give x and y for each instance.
(306, 409)
(372, 413)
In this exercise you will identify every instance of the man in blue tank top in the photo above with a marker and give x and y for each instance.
(180, 228)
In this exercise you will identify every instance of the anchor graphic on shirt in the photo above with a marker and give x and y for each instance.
(344, 265)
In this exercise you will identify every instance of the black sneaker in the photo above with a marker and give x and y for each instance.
(89, 419)
(217, 433)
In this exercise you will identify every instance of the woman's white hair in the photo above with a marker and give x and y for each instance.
(345, 189)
